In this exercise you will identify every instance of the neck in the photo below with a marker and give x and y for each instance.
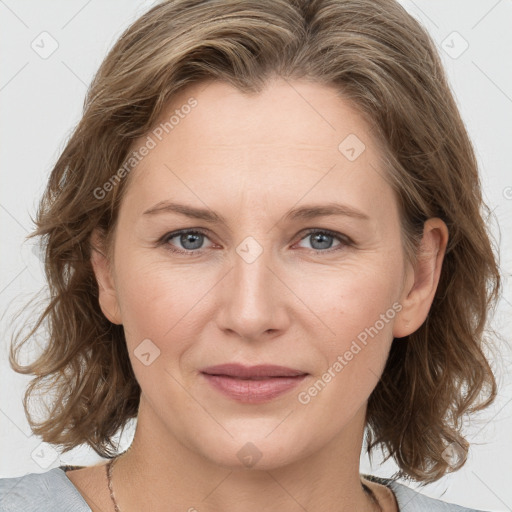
(158, 470)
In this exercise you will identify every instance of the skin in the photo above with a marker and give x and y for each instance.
(251, 159)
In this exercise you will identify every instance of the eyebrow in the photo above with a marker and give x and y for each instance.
(313, 211)
(304, 212)
(183, 209)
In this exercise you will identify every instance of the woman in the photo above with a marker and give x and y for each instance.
(264, 240)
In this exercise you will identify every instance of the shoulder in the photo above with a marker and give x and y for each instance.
(410, 500)
(51, 490)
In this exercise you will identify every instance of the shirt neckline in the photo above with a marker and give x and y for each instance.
(388, 482)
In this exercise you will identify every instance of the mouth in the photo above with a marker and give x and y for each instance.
(252, 384)
(262, 371)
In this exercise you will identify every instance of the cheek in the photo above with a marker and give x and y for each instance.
(359, 307)
(160, 308)
(352, 297)
(158, 300)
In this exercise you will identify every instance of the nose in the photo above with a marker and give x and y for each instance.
(253, 299)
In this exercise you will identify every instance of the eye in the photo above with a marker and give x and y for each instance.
(190, 241)
(322, 240)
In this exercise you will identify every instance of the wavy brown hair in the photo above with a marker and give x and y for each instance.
(382, 61)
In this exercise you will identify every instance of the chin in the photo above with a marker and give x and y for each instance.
(258, 452)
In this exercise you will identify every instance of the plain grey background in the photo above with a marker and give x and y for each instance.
(49, 52)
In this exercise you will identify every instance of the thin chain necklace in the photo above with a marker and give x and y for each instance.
(110, 488)
(110, 464)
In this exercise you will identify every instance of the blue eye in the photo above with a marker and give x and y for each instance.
(192, 240)
(323, 240)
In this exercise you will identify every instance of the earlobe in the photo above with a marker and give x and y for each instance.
(422, 280)
(107, 295)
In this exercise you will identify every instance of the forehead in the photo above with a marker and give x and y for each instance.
(314, 115)
(293, 140)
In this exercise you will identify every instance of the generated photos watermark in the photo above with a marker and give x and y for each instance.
(304, 397)
(157, 134)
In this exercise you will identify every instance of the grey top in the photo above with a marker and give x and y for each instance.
(53, 491)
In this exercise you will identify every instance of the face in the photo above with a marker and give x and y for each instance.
(283, 247)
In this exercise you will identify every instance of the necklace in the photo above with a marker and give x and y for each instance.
(109, 479)
(111, 462)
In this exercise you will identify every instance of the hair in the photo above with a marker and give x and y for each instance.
(384, 62)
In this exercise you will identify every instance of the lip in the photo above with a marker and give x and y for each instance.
(252, 384)
(251, 372)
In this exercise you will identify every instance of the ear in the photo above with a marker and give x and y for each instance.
(422, 280)
(106, 285)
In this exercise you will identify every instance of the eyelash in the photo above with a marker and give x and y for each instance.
(164, 241)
